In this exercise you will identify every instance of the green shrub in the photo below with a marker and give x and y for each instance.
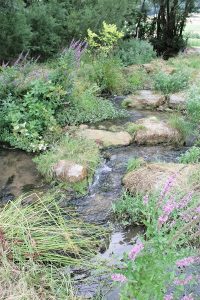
(137, 80)
(135, 52)
(193, 104)
(191, 156)
(173, 83)
(29, 122)
(106, 73)
(78, 150)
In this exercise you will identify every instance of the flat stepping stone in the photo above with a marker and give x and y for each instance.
(153, 132)
(106, 138)
(144, 99)
(177, 101)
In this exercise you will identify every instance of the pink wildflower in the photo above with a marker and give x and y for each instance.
(169, 206)
(185, 262)
(187, 298)
(146, 199)
(185, 200)
(169, 183)
(168, 297)
(162, 219)
(198, 210)
(136, 250)
(183, 281)
(119, 277)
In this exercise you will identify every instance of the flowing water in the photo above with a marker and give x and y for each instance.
(19, 175)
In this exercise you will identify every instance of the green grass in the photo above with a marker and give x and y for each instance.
(78, 150)
(194, 42)
(179, 123)
(134, 163)
(39, 243)
(190, 156)
(171, 83)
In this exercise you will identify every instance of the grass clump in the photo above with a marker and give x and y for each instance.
(193, 105)
(39, 240)
(42, 233)
(171, 83)
(132, 128)
(181, 125)
(191, 156)
(137, 80)
(78, 150)
(134, 163)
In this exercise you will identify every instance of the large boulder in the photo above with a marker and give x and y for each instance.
(153, 131)
(69, 171)
(152, 178)
(177, 101)
(106, 138)
(144, 99)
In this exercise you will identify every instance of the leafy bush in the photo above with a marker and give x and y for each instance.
(193, 104)
(78, 150)
(137, 80)
(190, 156)
(135, 52)
(105, 41)
(106, 73)
(37, 100)
(173, 83)
(29, 122)
(146, 272)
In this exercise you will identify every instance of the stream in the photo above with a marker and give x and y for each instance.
(19, 175)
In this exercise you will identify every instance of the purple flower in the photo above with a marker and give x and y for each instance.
(136, 250)
(198, 210)
(184, 281)
(185, 262)
(119, 277)
(162, 220)
(168, 185)
(146, 199)
(187, 298)
(185, 200)
(168, 297)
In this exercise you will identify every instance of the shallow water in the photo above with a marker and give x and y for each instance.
(18, 174)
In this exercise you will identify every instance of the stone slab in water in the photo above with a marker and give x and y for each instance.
(106, 138)
(156, 132)
(144, 99)
(177, 101)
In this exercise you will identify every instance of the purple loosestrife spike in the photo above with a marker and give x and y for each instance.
(162, 220)
(136, 250)
(146, 199)
(168, 297)
(185, 262)
(183, 281)
(169, 183)
(185, 200)
(187, 298)
(119, 277)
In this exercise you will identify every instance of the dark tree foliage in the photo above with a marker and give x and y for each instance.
(46, 26)
(163, 24)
